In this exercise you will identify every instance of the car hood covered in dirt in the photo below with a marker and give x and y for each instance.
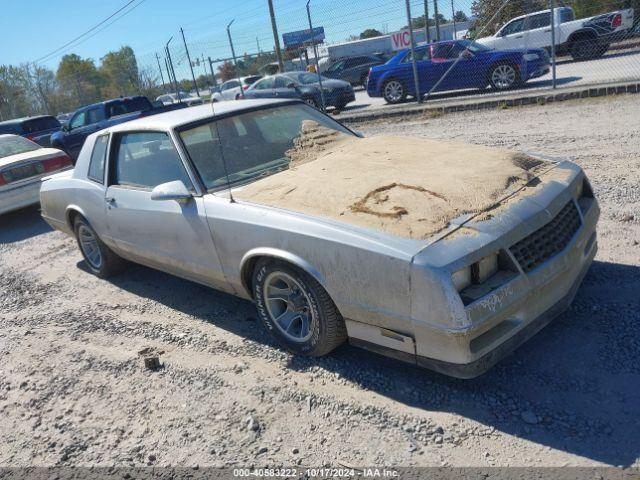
(408, 187)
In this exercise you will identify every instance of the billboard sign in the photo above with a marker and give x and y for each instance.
(303, 37)
(401, 40)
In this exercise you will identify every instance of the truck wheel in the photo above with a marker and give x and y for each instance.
(394, 91)
(504, 76)
(296, 310)
(585, 48)
(311, 102)
(100, 259)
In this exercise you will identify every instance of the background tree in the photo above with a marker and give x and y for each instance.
(80, 79)
(119, 70)
(484, 10)
(460, 16)
(226, 71)
(370, 33)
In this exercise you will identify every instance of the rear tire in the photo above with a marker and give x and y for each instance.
(100, 259)
(296, 310)
(586, 48)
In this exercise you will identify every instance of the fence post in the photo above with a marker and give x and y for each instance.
(413, 54)
(276, 40)
(233, 54)
(193, 76)
(315, 54)
(553, 44)
(427, 33)
(453, 19)
(437, 19)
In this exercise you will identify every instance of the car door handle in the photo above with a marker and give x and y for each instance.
(547, 29)
(519, 36)
(110, 200)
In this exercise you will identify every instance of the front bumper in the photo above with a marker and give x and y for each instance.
(20, 196)
(501, 321)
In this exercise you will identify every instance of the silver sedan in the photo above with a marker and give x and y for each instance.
(165, 191)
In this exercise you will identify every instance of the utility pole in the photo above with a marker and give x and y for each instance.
(213, 75)
(427, 34)
(164, 86)
(276, 39)
(233, 54)
(173, 72)
(193, 76)
(413, 54)
(437, 19)
(315, 54)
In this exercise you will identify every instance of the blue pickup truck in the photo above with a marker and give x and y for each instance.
(91, 118)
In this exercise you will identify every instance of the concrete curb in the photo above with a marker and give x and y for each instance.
(524, 98)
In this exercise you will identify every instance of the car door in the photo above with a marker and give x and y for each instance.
(262, 89)
(538, 30)
(76, 135)
(162, 234)
(283, 89)
(511, 35)
(458, 67)
(230, 89)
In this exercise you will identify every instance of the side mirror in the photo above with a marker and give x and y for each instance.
(65, 127)
(291, 85)
(171, 191)
(466, 54)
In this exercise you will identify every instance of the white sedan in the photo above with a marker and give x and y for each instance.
(23, 164)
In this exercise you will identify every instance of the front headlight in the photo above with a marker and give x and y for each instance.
(530, 56)
(476, 273)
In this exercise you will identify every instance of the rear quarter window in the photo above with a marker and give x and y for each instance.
(40, 124)
(97, 162)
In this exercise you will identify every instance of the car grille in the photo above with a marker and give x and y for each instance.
(549, 240)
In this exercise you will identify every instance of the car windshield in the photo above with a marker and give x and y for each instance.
(14, 145)
(306, 78)
(473, 46)
(250, 145)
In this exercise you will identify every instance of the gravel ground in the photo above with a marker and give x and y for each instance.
(73, 390)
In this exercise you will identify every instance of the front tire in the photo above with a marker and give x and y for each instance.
(504, 76)
(394, 91)
(296, 310)
(100, 259)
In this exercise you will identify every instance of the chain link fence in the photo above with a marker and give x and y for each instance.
(389, 51)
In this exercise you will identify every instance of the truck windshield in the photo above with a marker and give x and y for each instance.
(249, 145)
(128, 105)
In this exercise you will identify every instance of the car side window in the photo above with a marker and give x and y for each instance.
(95, 115)
(264, 84)
(96, 164)
(230, 85)
(78, 120)
(146, 160)
(282, 82)
(421, 54)
(514, 27)
(541, 20)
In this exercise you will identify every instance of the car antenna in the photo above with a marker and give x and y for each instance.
(224, 162)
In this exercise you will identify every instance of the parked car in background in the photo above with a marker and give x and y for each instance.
(353, 69)
(304, 86)
(582, 39)
(233, 89)
(157, 191)
(23, 164)
(37, 129)
(180, 97)
(478, 66)
(91, 118)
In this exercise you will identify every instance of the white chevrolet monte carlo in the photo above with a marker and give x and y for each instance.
(202, 193)
(23, 164)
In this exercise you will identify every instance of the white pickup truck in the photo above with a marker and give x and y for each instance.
(582, 39)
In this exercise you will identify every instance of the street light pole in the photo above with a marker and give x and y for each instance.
(413, 54)
(315, 54)
(276, 39)
(173, 72)
(193, 76)
(233, 54)
(437, 19)
(453, 18)
(164, 86)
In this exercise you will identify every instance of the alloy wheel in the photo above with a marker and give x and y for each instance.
(503, 76)
(289, 306)
(89, 246)
(393, 91)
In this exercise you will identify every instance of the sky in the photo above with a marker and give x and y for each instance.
(32, 29)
